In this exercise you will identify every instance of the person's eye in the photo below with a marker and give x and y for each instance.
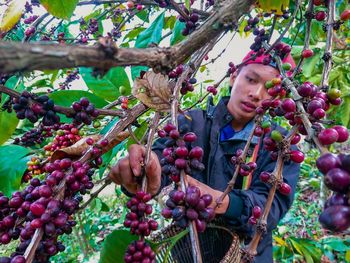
(251, 80)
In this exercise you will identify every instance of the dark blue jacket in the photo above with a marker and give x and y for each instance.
(219, 171)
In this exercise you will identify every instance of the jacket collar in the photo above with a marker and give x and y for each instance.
(222, 117)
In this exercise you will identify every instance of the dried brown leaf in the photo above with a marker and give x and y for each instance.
(153, 90)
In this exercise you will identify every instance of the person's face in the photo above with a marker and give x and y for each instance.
(248, 90)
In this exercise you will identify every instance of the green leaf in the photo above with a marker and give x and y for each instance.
(169, 22)
(301, 250)
(108, 86)
(309, 65)
(134, 33)
(135, 71)
(143, 15)
(114, 246)
(336, 244)
(345, 111)
(153, 34)
(13, 159)
(60, 8)
(177, 36)
(8, 124)
(12, 15)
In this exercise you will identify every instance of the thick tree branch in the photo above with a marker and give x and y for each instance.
(16, 57)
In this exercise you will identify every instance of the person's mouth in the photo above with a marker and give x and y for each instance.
(247, 106)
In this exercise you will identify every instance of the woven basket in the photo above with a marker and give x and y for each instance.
(218, 245)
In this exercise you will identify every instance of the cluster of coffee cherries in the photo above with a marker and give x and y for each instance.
(84, 111)
(316, 103)
(190, 24)
(252, 23)
(273, 144)
(29, 31)
(139, 224)
(34, 168)
(66, 135)
(34, 136)
(30, 19)
(37, 207)
(212, 89)
(190, 206)
(256, 214)
(187, 85)
(269, 178)
(136, 219)
(32, 107)
(336, 171)
(71, 76)
(177, 156)
(139, 251)
(245, 168)
(260, 36)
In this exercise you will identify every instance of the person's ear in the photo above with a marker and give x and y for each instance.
(232, 78)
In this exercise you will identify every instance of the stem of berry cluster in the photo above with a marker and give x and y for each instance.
(250, 250)
(240, 160)
(110, 136)
(327, 57)
(309, 11)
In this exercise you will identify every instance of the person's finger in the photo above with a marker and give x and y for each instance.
(114, 174)
(136, 156)
(126, 174)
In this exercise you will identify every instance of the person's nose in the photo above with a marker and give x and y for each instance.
(256, 92)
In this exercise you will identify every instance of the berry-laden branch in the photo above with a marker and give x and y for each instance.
(109, 140)
(16, 57)
(300, 107)
(276, 179)
(64, 110)
(240, 160)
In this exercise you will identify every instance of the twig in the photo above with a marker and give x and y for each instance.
(328, 50)
(151, 133)
(96, 193)
(179, 10)
(307, 35)
(240, 160)
(82, 247)
(83, 235)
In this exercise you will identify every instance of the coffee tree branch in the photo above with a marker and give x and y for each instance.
(27, 56)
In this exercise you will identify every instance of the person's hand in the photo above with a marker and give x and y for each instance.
(127, 169)
(214, 193)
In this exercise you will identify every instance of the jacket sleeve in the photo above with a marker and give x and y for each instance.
(242, 201)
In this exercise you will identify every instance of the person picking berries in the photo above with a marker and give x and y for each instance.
(222, 131)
